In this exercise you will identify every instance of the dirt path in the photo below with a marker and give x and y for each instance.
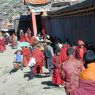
(17, 83)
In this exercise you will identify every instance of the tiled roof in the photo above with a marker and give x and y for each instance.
(37, 1)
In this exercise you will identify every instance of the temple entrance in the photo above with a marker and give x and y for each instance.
(23, 22)
(39, 24)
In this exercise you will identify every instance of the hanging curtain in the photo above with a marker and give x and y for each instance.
(72, 28)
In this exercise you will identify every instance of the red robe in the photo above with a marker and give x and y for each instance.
(39, 56)
(56, 78)
(63, 54)
(86, 87)
(32, 40)
(26, 38)
(2, 44)
(26, 56)
(13, 40)
(43, 32)
(22, 38)
(80, 53)
(29, 36)
(70, 72)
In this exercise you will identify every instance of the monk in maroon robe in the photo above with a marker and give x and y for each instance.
(29, 33)
(80, 50)
(32, 40)
(70, 72)
(26, 55)
(14, 41)
(2, 43)
(22, 38)
(29, 36)
(26, 37)
(39, 56)
(56, 78)
(63, 53)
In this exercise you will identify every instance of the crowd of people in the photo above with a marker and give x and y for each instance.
(71, 66)
(7, 39)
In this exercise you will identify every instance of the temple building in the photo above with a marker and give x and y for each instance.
(64, 19)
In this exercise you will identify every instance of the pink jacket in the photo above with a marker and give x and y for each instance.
(70, 73)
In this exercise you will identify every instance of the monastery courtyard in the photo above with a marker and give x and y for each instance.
(17, 83)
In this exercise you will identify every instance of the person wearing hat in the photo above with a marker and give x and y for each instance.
(80, 50)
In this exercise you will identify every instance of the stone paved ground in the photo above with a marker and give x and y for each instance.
(17, 84)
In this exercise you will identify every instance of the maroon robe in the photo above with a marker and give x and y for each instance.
(63, 54)
(13, 42)
(70, 73)
(80, 53)
(32, 40)
(56, 78)
(26, 56)
(2, 44)
(26, 38)
(43, 33)
(22, 38)
(86, 87)
(39, 56)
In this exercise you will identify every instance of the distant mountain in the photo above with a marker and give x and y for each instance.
(9, 8)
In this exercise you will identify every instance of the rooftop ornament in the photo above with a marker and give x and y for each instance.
(38, 5)
(47, 5)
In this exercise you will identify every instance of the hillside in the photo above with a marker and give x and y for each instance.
(9, 8)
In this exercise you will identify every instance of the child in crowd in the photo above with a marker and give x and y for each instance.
(19, 59)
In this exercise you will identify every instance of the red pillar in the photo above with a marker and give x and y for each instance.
(34, 24)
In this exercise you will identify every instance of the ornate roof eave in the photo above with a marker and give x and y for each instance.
(72, 9)
(50, 7)
(38, 7)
